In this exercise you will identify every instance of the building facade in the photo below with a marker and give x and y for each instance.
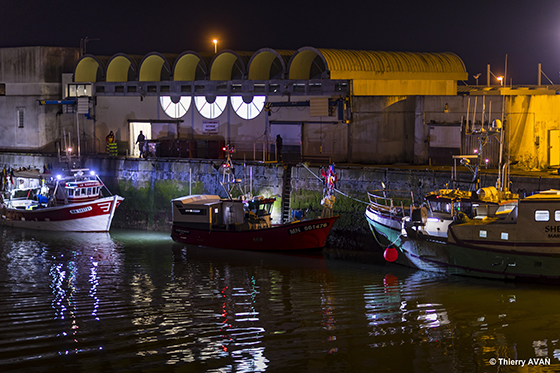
(329, 105)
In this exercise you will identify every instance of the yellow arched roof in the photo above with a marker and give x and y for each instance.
(187, 65)
(229, 65)
(266, 63)
(352, 64)
(122, 68)
(90, 68)
(155, 66)
(372, 72)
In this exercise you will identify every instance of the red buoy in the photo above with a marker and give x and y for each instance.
(391, 254)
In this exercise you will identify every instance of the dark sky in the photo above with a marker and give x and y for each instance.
(479, 32)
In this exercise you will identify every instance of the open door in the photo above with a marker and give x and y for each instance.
(554, 147)
(135, 128)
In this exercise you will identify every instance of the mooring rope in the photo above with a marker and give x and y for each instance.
(336, 190)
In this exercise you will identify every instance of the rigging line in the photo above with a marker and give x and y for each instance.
(344, 194)
(392, 243)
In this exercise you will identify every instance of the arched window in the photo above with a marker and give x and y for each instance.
(248, 110)
(210, 110)
(175, 110)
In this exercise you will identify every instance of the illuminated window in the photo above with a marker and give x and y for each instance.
(557, 215)
(505, 236)
(175, 110)
(210, 110)
(247, 110)
(483, 234)
(542, 215)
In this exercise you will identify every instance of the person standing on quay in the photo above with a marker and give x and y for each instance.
(111, 144)
(279, 147)
(141, 141)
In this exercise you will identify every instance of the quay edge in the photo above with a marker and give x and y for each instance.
(148, 185)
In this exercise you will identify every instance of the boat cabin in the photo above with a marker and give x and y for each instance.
(82, 191)
(213, 212)
(76, 188)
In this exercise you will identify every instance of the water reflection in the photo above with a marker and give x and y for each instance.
(134, 301)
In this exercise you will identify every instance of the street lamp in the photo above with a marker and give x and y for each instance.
(215, 41)
(499, 78)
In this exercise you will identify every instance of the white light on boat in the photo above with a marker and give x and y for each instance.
(433, 219)
(92, 173)
(58, 177)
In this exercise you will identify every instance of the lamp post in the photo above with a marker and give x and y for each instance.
(498, 78)
(215, 41)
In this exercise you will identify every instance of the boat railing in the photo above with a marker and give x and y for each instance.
(396, 203)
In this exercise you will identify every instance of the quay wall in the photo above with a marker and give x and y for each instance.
(148, 185)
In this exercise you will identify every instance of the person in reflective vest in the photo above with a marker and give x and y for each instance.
(111, 144)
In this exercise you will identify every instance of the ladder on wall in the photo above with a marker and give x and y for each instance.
(286, 192)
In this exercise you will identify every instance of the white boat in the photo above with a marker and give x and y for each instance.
(455, 233)
(73, 201)
(488, 233)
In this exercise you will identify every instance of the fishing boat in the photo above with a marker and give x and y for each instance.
(487, 232)
(512, 239)
(75, 200)
(244, 223)
(212, 221)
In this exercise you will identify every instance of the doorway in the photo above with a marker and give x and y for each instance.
(135, 128)
(554, 147)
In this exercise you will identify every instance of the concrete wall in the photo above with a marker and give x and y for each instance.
(531, 119)
(149, 185)
(32, 74)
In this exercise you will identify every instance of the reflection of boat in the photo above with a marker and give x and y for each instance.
(209, 220)
(71, 202)
(309, 260)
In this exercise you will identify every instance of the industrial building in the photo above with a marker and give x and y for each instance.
(368, 107)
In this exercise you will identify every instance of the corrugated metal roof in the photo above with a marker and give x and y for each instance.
(385, 62)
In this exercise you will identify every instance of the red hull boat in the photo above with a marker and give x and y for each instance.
(210, 221)
(70, 202)
(301, 235)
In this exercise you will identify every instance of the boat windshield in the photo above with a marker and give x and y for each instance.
(261, 206)
(506, 207)
(440, 206)
(464, 207)
(24, 193)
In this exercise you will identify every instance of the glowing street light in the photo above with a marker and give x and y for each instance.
(215, 41)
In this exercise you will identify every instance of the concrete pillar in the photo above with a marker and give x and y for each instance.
(421, 132)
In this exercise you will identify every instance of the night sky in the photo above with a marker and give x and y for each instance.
(479, 32)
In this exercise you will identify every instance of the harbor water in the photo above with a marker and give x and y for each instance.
(131, 301)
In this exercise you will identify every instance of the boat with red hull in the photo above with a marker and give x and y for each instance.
(208, 220)
(71, 202)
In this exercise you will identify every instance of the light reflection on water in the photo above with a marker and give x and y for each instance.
(133, 300)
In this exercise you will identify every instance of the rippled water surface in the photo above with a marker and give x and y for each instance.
(133, 301)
